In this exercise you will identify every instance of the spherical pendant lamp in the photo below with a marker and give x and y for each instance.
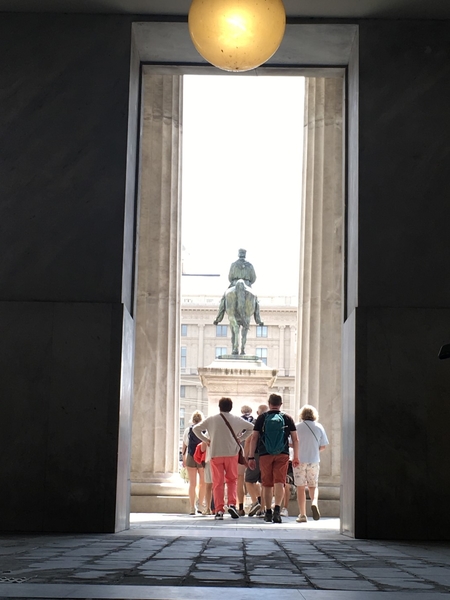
(237, 35)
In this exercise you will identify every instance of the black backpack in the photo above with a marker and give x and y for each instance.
(193, 442)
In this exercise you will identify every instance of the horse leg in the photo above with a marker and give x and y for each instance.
(235, 338)
(244, 331)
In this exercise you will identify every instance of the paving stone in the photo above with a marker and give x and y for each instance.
(329, 573)
(90, 575)
(112, 564)
(223, 568)
(386, 572)
(267, 580)
(277, 572)
(215, 575)
(404, 584)
(343, 584)
(169, 573)
(177, 553)
(285, 563)
(165, 564)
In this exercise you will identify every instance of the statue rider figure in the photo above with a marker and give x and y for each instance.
(240, 269)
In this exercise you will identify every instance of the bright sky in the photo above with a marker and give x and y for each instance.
(241, 179)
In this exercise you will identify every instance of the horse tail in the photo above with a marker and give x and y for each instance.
(240, 296)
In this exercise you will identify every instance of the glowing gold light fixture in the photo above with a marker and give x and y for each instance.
(237, 35)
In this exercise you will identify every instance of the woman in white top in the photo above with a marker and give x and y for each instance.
(312, 439)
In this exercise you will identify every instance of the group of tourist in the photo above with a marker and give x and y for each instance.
(274, 447)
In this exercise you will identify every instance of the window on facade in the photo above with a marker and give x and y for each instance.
(261, 331)
(262, 354)
(183, 357)
(220, 351)
(221, 330)
(184, 330)
(182, 391)
(182, 419)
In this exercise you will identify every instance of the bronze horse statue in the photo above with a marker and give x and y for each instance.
(240, 303)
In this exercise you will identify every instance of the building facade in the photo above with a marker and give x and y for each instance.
(202, 342)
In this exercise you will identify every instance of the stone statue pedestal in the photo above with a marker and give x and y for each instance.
(244, 379)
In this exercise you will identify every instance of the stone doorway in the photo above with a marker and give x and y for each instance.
(154, 477)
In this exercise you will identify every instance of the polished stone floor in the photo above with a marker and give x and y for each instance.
(183, 557)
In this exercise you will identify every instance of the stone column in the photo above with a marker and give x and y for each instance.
(281, 364)
(156, 387)
(318, 373)
(201, 335)
(200, 397)
(292, 353)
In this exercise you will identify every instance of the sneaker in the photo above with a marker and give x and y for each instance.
(261, 514)
(233, 512)
(254, 509)
(268, 517)
(315, 512)
(301, 519)
(192, 510)
(218, 516)
(241, 512)
(284, 512)
(206, 512)
(276, 516)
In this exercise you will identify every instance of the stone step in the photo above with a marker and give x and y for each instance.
(180, 505)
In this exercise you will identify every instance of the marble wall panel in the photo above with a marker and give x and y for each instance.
(60, 366)
(404, 86)
(401, 413)
(398, 278)
(25, 358)
(347, 512)
(63, 131)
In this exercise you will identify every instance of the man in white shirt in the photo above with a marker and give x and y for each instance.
(224, 453)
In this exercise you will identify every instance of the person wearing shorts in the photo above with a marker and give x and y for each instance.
(246, 415)
(194, 469)
(312, 440)
(288, 484)
(253, 476)
(273, 466)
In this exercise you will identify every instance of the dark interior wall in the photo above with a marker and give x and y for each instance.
(64, 101)
(63, 128)
(400, 387)
(404, 164)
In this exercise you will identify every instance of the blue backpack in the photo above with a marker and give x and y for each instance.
(273, 432)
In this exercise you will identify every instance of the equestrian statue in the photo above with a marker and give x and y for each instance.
(239, 302)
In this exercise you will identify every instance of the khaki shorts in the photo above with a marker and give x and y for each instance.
(253, 476)
(307, 474)
(273, 468)
(190, 462)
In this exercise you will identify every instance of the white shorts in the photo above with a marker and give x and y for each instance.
(307, 474)
(208, 478)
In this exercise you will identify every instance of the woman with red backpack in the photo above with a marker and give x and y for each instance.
(194, 469)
